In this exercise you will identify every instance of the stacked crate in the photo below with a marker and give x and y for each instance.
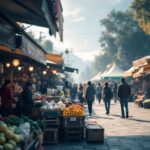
(73, 128)
(51, 129)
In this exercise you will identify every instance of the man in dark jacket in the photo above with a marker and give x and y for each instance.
(27, 99)
(124, 92)
(107, 96)
(89, 95)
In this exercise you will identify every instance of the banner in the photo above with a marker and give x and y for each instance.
(32, 50)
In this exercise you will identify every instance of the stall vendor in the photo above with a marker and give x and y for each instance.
(27, 99)
(7, 98)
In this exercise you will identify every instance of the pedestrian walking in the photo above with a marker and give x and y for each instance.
(84, 92)
(74, 92)
(114, 88)
(124, 92)
(80, 93)
(99, 92)
(107, 96)
(89, 95)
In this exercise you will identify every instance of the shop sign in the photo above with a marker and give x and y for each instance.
(32, 50)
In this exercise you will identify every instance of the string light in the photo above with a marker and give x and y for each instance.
(15, 62)
(7, 65)
(31, 68)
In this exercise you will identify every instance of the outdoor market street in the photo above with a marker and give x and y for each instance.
(120, 134)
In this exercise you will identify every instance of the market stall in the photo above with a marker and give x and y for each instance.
(142, 74)
(114, 73)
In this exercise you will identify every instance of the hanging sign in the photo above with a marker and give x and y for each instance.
(32, 50)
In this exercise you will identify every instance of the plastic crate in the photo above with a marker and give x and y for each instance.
(73, 122)
(94, 133)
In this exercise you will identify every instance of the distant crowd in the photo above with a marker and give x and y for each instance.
(88, 93)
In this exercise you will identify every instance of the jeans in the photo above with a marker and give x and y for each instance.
(107, 104)
(124, 104)
(99, 97)
(90, 106)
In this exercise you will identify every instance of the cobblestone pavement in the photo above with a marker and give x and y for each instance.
(120, 134)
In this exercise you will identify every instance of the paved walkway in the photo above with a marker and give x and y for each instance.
(120, 134)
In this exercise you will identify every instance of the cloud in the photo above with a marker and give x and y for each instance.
(87, 55)
(116, 2)
(74, 15)
(78, 19)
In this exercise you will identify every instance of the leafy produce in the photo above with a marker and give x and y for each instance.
(10, 133)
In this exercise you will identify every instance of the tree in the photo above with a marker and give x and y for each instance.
(48, 45)
(141, 10)
(122, 41)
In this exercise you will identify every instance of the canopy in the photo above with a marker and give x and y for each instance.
(114, 73)
(69, 69)
(45, 13)
(54, 58)
(141, 62)
(141, 71)
(129, 72)
(97, 77)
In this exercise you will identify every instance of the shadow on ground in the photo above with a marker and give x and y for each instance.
(138, 142)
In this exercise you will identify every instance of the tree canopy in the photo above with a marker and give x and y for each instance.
(122, 41)
(141, 10)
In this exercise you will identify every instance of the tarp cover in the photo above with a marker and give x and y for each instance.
(114, 73)
(97, 77)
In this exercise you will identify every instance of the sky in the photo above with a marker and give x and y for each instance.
(81, 25)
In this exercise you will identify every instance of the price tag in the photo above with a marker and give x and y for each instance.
(73, 119)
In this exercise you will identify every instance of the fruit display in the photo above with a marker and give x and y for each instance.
(11, 131)
(9, 138)
(73, 110)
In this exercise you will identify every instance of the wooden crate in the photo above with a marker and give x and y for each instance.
(94, 133)
(51, 122)
(73, 122)
(50, 136)
(48, 113)
(73, 134)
